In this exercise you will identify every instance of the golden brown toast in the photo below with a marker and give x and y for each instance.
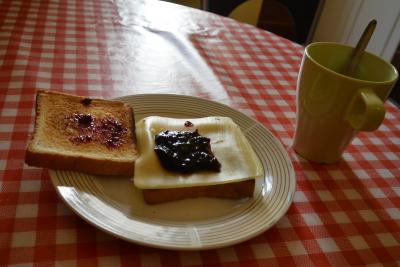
(95, 136)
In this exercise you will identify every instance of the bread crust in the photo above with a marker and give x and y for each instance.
(106, 163)
(235, 190)
(81, 164)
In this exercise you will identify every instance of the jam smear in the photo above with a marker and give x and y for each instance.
(84, 138)
(112, 132)
(185, 152)
(83, 120)
(86, 101)
(188, 124)
(106, 131)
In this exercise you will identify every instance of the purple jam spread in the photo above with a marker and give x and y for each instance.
(185, 152)
(107, 131)
(188, 124)
(86, 101)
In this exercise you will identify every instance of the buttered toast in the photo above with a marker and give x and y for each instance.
(95, 136)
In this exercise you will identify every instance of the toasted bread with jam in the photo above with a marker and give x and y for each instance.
(94, 136)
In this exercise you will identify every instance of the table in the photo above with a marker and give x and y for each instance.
(343, 214)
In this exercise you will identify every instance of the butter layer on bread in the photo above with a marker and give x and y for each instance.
(52, 144)
(229, 145)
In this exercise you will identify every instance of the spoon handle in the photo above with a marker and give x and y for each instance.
(359, 49)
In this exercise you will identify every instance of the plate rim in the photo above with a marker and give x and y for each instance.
(288, 201)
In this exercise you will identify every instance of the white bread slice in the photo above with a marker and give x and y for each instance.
(228, 143)
(235, 190)
(54, 144)
(240, 166)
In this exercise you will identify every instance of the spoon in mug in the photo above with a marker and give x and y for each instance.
(359, 49)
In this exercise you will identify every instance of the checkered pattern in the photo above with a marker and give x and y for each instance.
(343, 214)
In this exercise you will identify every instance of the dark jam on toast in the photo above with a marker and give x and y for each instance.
(107, 131)
(86, 101)
(185, 152)
(188, 124)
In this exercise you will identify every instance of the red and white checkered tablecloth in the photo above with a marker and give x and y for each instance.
(343, 214)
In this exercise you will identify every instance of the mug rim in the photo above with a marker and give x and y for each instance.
(396, 74)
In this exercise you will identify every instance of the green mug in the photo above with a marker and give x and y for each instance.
(333, 107)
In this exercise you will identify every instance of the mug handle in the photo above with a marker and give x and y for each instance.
(366, 111)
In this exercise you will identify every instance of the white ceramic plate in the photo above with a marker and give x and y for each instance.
(114, 205)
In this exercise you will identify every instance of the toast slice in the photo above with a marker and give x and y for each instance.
(240, 166)
(235, 190)
(94, 136)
